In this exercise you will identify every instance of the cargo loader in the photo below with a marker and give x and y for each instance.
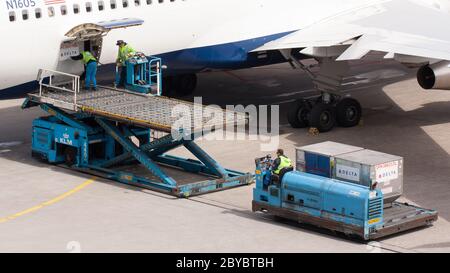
(126, 134)
(354, 209)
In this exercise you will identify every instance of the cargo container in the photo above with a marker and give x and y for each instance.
(318, 158)
(372, 169)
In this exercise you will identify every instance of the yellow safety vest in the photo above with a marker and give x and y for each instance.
(284, 163)
(87, 56)
(125, 52)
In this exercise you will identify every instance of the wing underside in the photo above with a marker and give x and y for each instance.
(405, 29)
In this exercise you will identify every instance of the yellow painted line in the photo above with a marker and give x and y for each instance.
(49, 202)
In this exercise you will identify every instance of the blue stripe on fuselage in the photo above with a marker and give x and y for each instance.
(18, 91)
(227, 56)
(233, 55)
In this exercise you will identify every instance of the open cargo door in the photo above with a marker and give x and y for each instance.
(100, 29)
(122, 23)
(88, 36)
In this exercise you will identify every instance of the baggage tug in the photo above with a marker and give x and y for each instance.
(348, 206)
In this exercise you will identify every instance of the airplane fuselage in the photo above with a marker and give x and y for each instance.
(190, 35)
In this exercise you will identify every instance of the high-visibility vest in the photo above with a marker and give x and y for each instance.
(284, 163)
(87, 57)
(125, 52)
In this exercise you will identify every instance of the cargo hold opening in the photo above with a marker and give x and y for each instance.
(87, 37)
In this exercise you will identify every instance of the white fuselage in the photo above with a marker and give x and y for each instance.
(169, 26)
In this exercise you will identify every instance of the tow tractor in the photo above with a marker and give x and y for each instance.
(334, 204)
(126, 134)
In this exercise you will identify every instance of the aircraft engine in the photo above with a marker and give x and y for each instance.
(435, 76)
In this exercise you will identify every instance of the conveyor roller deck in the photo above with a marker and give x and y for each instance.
(155, 112)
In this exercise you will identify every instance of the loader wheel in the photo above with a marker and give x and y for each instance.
(322, 117)
(348, 112)
(70, 156)
(298, 114)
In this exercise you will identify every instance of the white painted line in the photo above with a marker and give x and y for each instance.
(10, 144)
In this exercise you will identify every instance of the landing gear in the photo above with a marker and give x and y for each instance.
(181, 85)
(322, 117)
(330, 108)
(298, 114)
(348, 112)
(325, 112)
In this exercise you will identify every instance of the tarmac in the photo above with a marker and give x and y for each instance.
(46, 208)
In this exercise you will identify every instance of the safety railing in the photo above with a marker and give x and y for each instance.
(51, 81)
(155, 73)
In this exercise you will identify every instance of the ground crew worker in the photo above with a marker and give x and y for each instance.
(90, 64)
(281, 165)
(124, 53)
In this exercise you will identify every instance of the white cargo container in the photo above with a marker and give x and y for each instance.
(318, 158)
(369, 168)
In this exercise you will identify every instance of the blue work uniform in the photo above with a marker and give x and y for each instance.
(90, 63)
(124, 53)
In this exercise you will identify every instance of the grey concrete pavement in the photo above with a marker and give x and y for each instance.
(399, 118)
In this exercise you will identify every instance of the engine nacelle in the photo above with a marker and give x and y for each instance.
(435, 76)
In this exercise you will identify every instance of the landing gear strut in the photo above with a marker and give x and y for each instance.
(325, 112)
(330, 109)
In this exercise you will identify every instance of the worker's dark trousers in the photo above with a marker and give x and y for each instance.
(123, 76)
(278, 178)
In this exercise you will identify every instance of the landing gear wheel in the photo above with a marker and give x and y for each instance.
(185, 84)
(348, 112)
(70, 156)
(322, 117)
(298, 114)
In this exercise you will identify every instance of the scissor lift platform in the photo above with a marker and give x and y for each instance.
(125, 136)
